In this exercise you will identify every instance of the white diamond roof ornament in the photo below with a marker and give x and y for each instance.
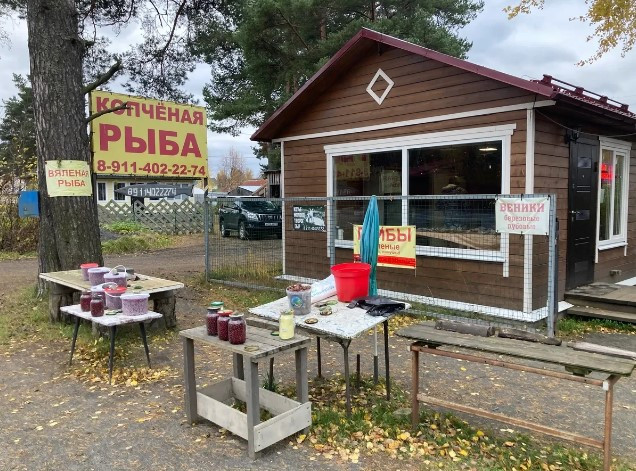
(389, 82)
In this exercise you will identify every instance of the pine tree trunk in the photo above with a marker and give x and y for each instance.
(69, 230)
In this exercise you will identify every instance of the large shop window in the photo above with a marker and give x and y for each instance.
(612, 208)
(445, 227)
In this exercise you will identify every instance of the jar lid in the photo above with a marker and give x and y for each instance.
(115, 290)
(236, 315)
(225, 313)
(216, 304)
(89, 265)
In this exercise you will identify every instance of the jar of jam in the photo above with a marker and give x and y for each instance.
(222, 324)
(237, 329)
(97, 305)
(211, 319)
(85, 301)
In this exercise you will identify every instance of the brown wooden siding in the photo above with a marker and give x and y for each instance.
(476, 282)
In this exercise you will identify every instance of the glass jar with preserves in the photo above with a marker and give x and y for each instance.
(85, 301)
(97, 305)
(211, 321)
(286, 325)
(222, 324)
(237, 329)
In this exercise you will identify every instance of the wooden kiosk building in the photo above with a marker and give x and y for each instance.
(407, 111)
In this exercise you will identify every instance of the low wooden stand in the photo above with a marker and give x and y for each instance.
(577, 365)
(214, 402)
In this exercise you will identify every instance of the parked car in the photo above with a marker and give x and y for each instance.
(251, 218)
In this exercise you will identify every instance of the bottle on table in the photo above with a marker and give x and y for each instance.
(286, 325)
(237, 329)
(97, 305)
(222, 324)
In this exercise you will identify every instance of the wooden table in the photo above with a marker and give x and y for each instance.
(342, 326)
(214, 402)
(111, 322)
(162, 292)
(578, 365)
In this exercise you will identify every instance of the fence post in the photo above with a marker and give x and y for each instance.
(332, 229)
(206, 234)
(553, 267)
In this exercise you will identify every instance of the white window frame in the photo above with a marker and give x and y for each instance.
(105, 191)
(624, 148)
(501, 133)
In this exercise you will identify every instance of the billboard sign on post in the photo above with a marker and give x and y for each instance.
(523, 215)
(151, 138)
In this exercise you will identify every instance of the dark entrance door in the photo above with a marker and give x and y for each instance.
(582, 196)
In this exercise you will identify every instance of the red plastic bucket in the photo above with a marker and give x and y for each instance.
(352, 280)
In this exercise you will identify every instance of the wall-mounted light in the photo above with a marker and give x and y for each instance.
(572, 135)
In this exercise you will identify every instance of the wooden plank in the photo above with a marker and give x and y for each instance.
(546, 353)
(594, 348)
(282, 426)
(221, 391)
(512, 420)
(266, 346)
(252, 402)
(73, 279)
(271, 401)
(222, 415)
(190, 381)
(302, 385)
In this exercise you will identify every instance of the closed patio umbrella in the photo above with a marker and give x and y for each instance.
(369, 239)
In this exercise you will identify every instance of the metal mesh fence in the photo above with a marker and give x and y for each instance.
(464, 268)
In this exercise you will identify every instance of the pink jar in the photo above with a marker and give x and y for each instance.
(237, 329)
(222, 324)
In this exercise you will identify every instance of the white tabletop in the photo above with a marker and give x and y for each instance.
(343, 323)
(109, 321)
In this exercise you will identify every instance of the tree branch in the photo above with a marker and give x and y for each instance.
(293, 28)
(123, 106)
(177, 15)
(116, 67)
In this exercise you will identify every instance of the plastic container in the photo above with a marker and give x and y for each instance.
(99, 289)
(85, 301)
(352, 280)
(299, 296)
(237, 329)
(113, 296)
(96, 275)
(286, 325)
(134, 304)
(118, 278)
(97, 305)
(85, 266)
(222, 325)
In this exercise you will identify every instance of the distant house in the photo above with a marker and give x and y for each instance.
(253, 187)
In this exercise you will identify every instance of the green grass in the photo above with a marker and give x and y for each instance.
(575, 325)
(235, 298)
(9, 255)
(137, 243)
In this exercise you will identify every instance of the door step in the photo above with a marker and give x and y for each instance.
(599, 313)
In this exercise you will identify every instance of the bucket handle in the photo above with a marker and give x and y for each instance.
(115, 270)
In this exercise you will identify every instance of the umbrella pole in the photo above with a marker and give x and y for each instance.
(375, 355)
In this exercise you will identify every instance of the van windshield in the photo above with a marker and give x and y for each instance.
(259, 206)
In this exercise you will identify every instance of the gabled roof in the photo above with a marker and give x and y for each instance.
(366, 40)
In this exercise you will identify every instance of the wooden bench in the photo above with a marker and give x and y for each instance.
(578, 365)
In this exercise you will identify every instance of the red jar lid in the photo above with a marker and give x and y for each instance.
(117, 290)
(89, 265)
(225, 313)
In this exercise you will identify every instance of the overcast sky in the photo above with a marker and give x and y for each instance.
(545, 42)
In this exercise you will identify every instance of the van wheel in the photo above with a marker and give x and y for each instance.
(242, 231)
(224, 232)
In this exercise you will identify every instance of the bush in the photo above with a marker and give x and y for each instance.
(125, 227)
(16, 234)
(134, 244)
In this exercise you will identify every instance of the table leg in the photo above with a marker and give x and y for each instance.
(607, 436)
(75, 330)
(358, 371)
(190, 381)
(375, 355)
(386, 359)
(270, 378)
(319, 357)
(111, 357)
(237, 366)
(302, 384)
(345, 347)
(415, 374)
(253, 405)
(142, 328)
